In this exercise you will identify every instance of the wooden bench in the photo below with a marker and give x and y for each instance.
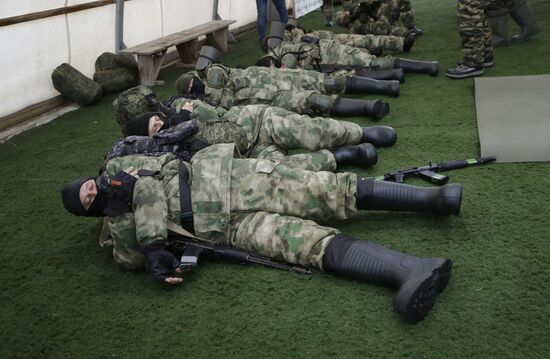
(151, 53)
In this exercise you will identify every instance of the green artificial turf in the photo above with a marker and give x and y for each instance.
(63, 296)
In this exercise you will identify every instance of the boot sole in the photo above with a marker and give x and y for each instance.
(464, 76)
(526, 37)
(415, 301)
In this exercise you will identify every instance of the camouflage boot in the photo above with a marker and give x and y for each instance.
(418, 280)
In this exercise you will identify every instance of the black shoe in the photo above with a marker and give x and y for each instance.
(418, 279)
(462, 71)
(499, 30)
(379, 136)
(351, 107)
(489, 61)
(408, 42)
(363, 155)
(390, 196)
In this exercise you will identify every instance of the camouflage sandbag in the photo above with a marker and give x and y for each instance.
(75, 86)
(133, 102)
(110, 61)
(222, 131)
(116, 80)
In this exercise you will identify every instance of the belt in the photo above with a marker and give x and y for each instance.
(186, 213)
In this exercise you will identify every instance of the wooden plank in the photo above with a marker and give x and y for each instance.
(53, 12)
(154, 46)
(31, 111)
(218, 39)
(188, 51)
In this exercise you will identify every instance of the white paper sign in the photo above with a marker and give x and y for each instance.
(303, 7)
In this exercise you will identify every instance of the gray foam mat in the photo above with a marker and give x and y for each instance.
(513, 117)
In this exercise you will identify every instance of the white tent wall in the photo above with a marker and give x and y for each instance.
(32, 50)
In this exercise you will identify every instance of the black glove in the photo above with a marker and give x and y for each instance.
(160, 263)
(120, 191)
(306, 39)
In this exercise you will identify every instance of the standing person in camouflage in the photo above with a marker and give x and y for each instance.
(300, 91)
(261, 206)
(498, 12)
(473, 27)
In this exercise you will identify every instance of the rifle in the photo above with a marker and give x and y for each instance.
(327, 69)
(429, 172)
(192, 249)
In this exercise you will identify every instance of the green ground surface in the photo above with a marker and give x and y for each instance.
(62, 295)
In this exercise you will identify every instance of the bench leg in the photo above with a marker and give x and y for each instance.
(149, 68)
(218, 39)
(188, 51)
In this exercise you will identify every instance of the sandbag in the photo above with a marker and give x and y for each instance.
(110, 61)
(116, 80)
(75, 86)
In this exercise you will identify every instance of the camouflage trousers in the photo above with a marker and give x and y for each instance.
(335, 53)
(475, 32)
(381, 26)
(368, 41)
(273, 131)
(267, 200)
(310, 103)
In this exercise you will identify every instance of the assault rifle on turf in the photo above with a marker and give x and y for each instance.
(326, 68)
(429, 172)
(191, 249)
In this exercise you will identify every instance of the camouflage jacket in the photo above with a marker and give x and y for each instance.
(229, 87)
(156, 198)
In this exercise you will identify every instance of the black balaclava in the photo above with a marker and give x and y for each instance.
(139, 126)
(197, 88)
(70, 195)
(174, 120)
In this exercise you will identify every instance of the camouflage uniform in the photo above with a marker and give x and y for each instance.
(309, 56)
(369, 41)
(251, 204)
(474, 30)
(299, 91)
(272, 131)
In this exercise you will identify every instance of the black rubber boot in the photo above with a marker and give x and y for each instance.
(524, 18)
(352, 107)
(363, 155)
(499, 30)
(416, 31)
(390, 196)
(365, 85)
(421, 67)
(389, 74)
(408, 41)
(417, 279)
(379, 136)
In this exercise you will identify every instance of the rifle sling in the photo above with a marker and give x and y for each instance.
(186, 213)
